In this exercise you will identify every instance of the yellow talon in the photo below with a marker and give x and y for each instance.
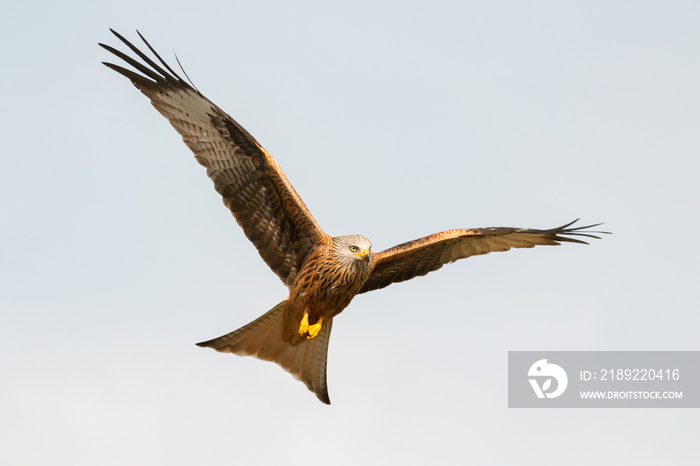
(309, 330)
(315, 328)
(304, 325)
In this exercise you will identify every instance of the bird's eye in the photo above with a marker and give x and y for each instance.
(354, 249)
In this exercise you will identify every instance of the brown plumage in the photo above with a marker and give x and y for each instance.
(323, 273)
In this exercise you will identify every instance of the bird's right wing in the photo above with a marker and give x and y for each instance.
(420, 256)
(252, 185)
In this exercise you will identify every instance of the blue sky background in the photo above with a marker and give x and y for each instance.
(393, 120)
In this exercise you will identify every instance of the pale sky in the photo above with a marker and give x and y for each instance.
(392, 120)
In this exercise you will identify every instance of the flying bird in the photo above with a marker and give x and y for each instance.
(323, 273)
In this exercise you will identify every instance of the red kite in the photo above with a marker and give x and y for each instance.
(323, 273)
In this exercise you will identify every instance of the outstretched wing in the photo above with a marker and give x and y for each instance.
(420, 256)
(253, 187)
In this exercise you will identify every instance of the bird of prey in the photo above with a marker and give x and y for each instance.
(323, 273)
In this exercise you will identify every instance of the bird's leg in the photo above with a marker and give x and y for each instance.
(304, 324)
(315, 328)
(309, 330)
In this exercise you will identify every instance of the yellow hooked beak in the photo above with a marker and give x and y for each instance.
(362, 254)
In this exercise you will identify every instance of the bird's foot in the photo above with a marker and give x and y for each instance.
(307, 330)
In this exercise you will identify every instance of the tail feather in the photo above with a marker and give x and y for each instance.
(262, 338)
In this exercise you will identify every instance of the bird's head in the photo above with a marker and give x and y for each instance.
(353, 250)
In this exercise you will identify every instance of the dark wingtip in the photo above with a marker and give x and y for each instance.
(570, 234)
(153, 73)
(579, 231)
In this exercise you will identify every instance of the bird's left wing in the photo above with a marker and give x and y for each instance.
(420, 256)
(252, 185)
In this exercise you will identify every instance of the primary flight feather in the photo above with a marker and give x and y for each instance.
(323, 273)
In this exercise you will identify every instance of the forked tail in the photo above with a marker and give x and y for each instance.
(262, 338)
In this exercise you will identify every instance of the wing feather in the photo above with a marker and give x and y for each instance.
(253, 187)
(424, 255)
